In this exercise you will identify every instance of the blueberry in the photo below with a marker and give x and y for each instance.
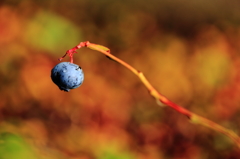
(67, 76)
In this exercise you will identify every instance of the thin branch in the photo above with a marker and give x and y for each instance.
(161, 100)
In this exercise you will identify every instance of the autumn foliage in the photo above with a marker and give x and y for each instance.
(191, 57)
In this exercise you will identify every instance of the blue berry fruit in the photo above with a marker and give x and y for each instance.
(67, 76)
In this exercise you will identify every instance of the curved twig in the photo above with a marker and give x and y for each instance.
(161, 100)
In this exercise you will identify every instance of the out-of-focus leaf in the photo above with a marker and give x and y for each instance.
(113, 153)
(13, 146)
(10, 25)
(212, 66)
(51, 32)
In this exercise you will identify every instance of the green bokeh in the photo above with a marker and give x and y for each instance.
(51, 32)
(14, 147)
(113, 152)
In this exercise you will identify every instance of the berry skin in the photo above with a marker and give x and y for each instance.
(67, 76)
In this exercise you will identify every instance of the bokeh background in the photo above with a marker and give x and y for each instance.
(189, 51)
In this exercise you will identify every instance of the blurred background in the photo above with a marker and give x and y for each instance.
(188, 50)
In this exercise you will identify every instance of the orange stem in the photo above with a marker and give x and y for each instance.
(163, 100)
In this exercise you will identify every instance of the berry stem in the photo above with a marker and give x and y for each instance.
(73, 50)
(161, 100)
